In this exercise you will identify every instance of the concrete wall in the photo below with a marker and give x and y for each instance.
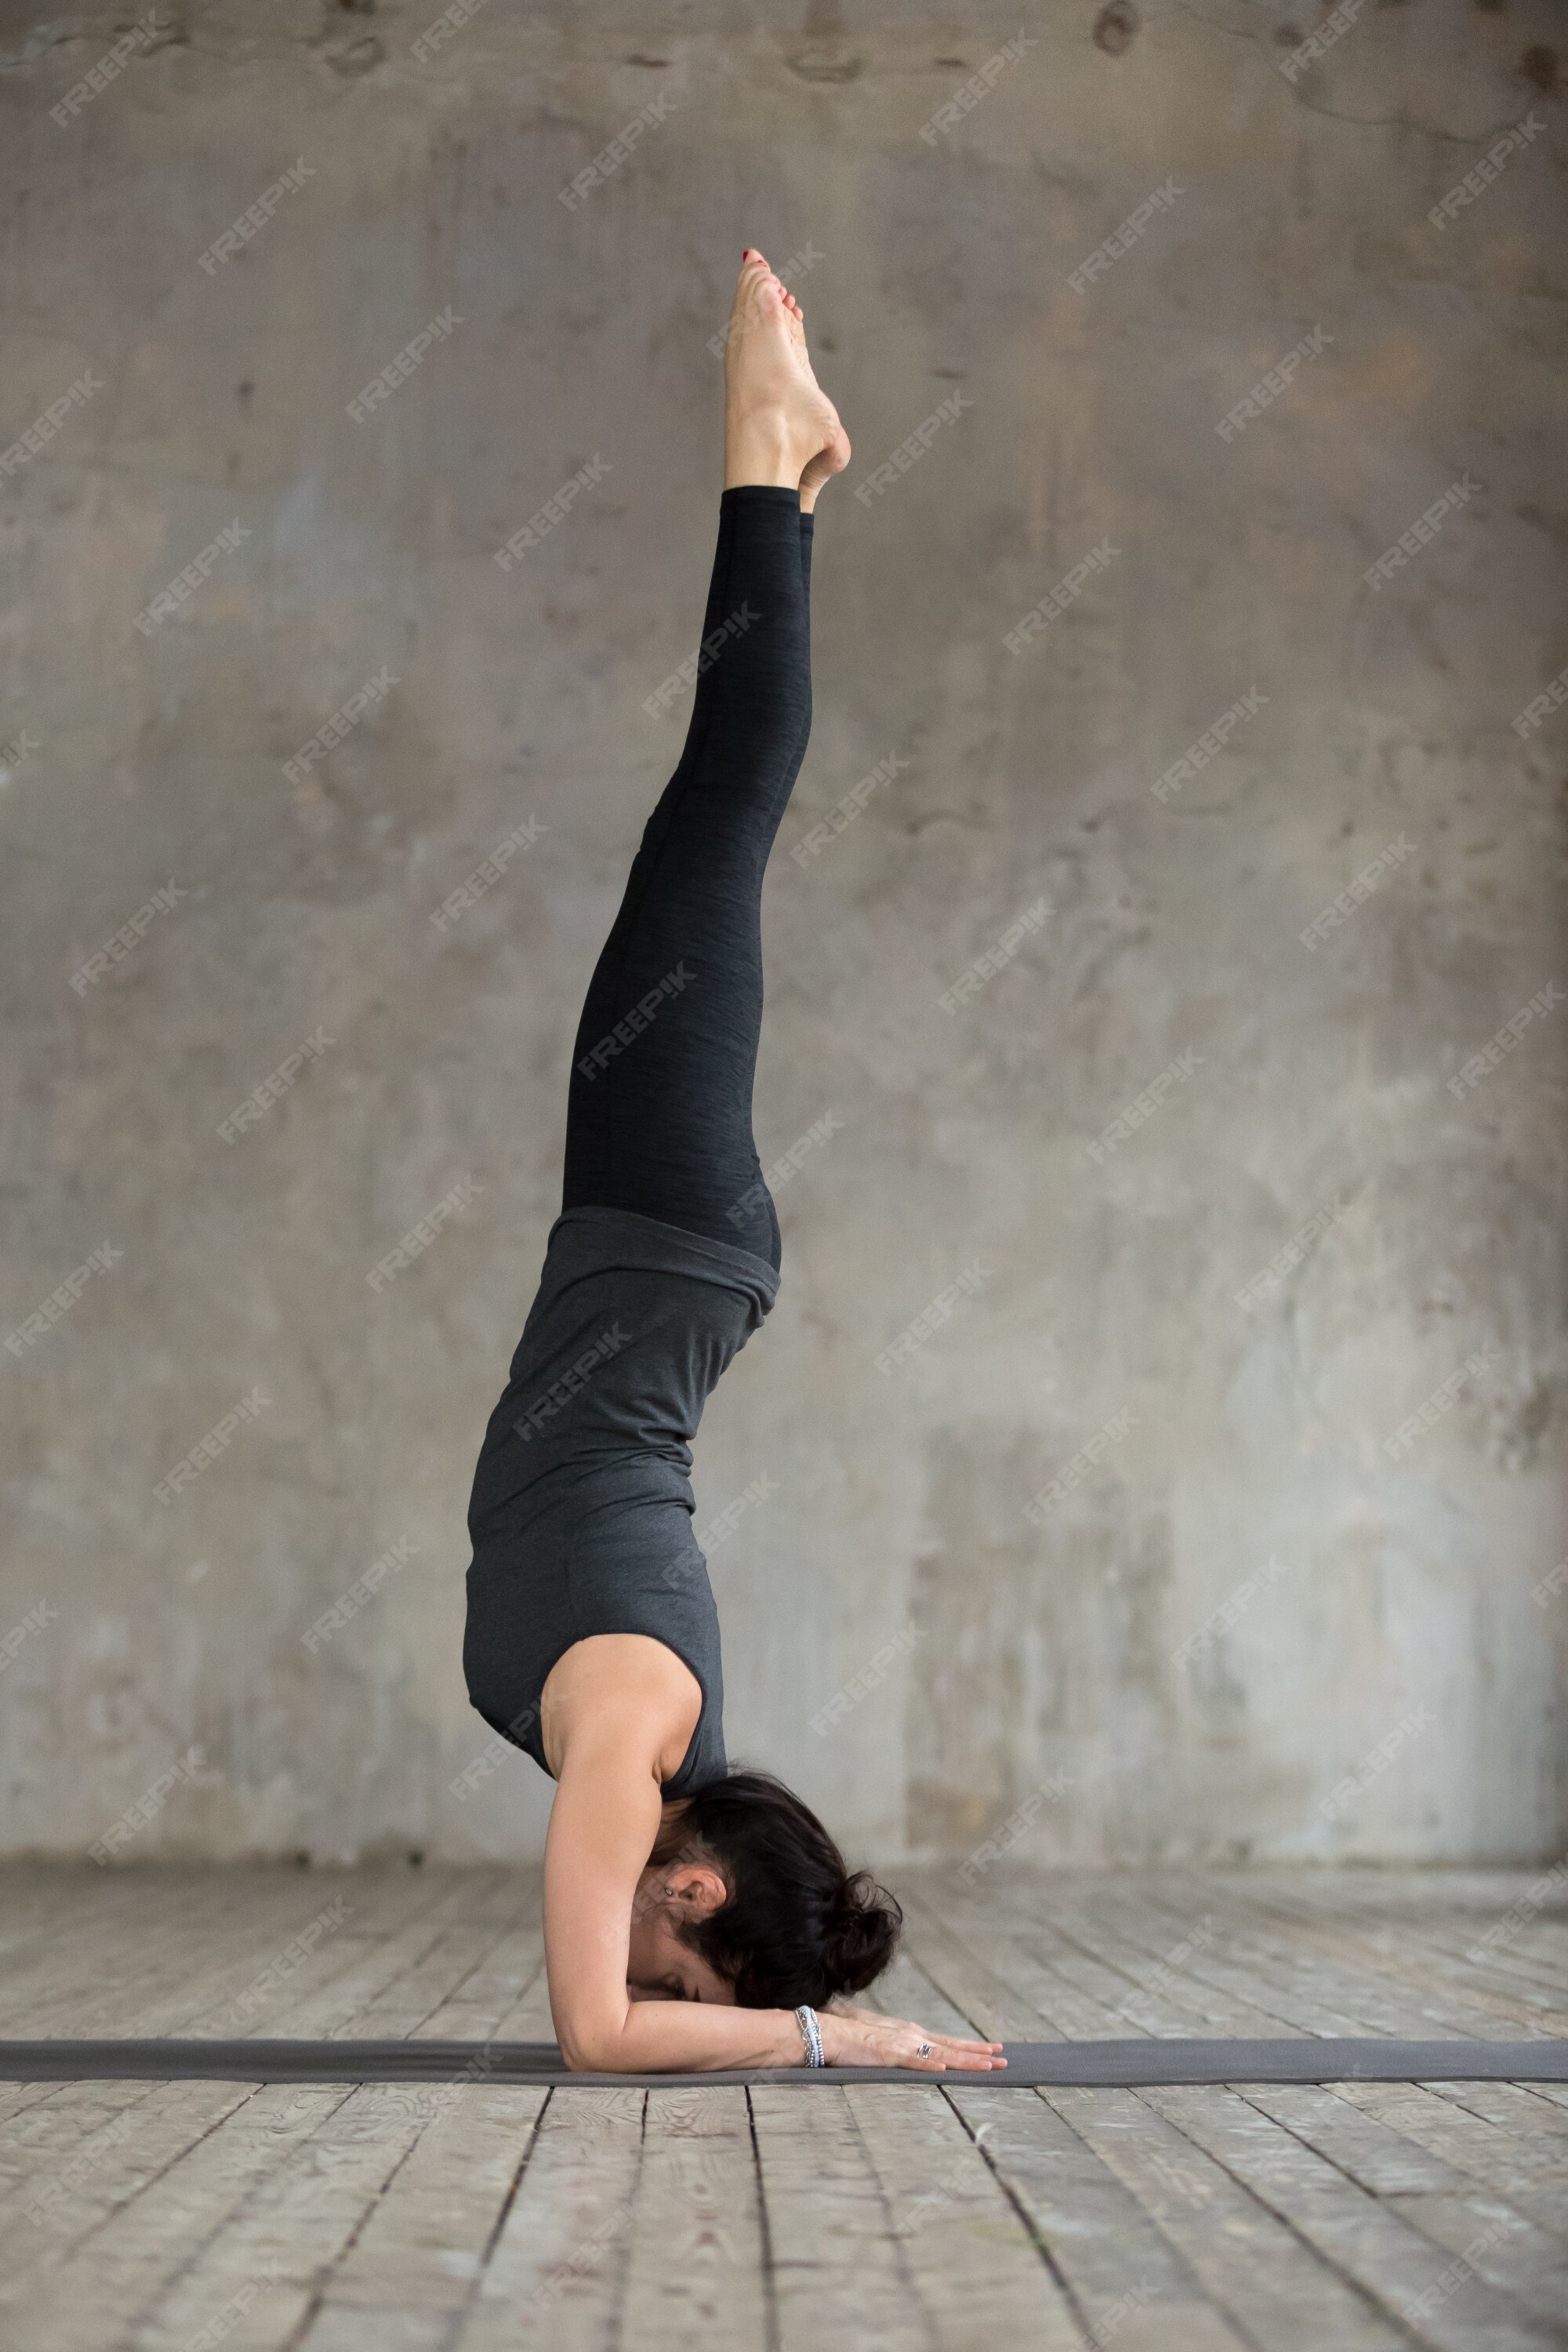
(1252, 1588)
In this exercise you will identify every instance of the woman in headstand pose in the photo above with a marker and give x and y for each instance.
(670, 1881)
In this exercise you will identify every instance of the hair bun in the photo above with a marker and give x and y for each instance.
(860, 1932)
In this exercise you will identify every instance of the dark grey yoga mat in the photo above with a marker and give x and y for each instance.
(1094, 2065)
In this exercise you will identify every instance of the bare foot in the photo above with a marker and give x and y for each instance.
(832, 459)
(779, 424)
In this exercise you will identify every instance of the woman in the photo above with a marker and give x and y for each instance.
(671, 1883)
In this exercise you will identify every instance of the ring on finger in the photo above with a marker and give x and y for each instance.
(924, 2050)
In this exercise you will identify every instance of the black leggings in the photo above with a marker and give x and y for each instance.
(659, 1115)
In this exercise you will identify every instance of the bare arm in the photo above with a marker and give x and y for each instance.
(606, 1819)
(623, 1712)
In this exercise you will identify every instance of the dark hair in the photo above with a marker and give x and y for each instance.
(798, 1926)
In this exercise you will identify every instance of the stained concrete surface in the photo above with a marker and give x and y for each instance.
(1252, 1621)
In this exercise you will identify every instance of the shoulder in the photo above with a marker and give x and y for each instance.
(625, 1691)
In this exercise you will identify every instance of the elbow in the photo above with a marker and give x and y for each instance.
(588, 2052)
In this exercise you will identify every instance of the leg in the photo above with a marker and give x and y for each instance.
(660, 1113)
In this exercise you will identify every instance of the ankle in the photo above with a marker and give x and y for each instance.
(761, 448)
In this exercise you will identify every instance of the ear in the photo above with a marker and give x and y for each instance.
(698, 1888)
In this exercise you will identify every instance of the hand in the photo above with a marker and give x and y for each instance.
(863, 2037)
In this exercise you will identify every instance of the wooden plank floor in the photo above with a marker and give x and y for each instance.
(139, 2217)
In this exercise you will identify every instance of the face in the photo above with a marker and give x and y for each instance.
(659, 1967)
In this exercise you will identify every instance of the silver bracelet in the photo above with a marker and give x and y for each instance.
(811, 2034)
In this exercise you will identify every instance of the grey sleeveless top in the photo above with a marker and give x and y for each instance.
(581, 1513)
